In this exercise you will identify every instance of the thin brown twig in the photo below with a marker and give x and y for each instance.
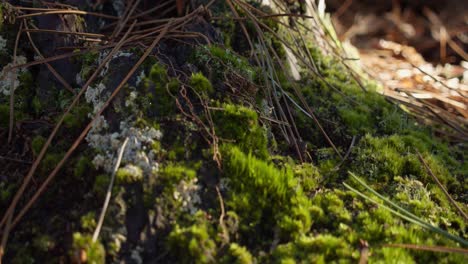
(429, 248)
(51, 69)
(65, 32)
(66, 12)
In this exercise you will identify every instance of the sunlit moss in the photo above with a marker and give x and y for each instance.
(84, 248)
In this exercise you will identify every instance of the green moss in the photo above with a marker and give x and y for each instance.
(195, 241)
(50, 161)
(88, 222)
(129, 174)
(308, 175)
(82, 166)
(159, 91)
(100, 184)
(240, 124)
(237, 254)
(77, 117)
(6, 191)
(220, 59)
(43, 243)
(264, 197)
(37, 144)
(172, 174)
(201, 84)
(36, 105)
(95, 253)
(392, 256)
(316, 249)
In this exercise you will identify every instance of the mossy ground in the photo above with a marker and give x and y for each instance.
(247, 198)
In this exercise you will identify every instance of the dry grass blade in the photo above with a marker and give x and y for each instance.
(109, 191)
(441, 186)
(12, 87)
(66, 12)
(429, 248)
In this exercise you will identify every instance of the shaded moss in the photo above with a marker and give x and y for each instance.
(82, 166)
(77, 117)
(4, 115)
(37, 143)
(200, 83)
(100, 184)
(43, 243)
(159, 91)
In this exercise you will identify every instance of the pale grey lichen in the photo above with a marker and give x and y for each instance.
(187, 194)
(3, 43)
(9, 78)
(96, 97)
(119, 7)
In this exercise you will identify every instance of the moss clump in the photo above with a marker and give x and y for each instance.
(195, 241)
(265, 197)
(50, 161)
(159, 91)
(316, 249)
(88, 221)
(77, 117)
(37, 143)
(83, 165)
(129, 174)
(308, 176)
(43, 243)
(201, 84)
(220, 59)
(36, 105)
(237, 254)
(240, 123)
(173, 174)
(100, 184)
(85, 250)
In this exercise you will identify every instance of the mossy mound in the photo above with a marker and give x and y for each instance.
(222, 167)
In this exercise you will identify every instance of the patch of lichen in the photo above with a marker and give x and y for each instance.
(266, 198)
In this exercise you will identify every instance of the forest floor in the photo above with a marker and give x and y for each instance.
(231, 132)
